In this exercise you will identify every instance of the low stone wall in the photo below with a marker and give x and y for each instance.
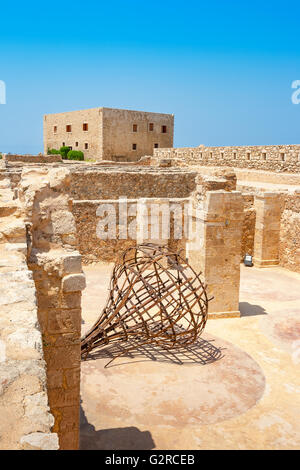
(283, 158)
(32, 158)
(110, 183)
(289, 245)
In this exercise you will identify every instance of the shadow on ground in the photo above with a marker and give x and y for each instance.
(130, 438)
(200, 352)
(248, 310)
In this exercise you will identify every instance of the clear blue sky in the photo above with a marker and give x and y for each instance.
(224, 68)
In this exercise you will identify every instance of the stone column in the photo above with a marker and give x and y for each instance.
(216, 250)
(267, 229)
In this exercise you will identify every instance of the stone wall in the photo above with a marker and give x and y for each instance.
(55, 138)
(111, 183)
(26, 422)
(9, 158)
(289, 245)
(119, 137)
(283, 158)
(248, 230)
(95, 249)
(56, 268)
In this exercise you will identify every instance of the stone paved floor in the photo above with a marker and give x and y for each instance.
(237, 388)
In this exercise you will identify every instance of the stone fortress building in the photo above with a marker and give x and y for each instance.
(109, 134)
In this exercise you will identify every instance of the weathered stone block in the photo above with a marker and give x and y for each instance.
(73, 283)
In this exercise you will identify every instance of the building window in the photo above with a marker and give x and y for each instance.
(222, 154)
(156, 146)
(134, 146)
(86, 146)
(164, 129)
(151, 127)
(85, 126)
(63, 144)
(69, 128)
(248, 156)
(234, 156)
(211, 154)
(282, 156)
(55, 129)
(264, 156)
(134, 128)
(76, 144)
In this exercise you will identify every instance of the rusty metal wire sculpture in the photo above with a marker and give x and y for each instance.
(155, 297)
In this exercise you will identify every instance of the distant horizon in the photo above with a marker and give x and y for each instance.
(224, 69)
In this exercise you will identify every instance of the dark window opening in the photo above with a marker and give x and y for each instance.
(76, 144)
(85, 126)
(86, 145)
(151, 126)
(156, 146)
(63, 144)
(264, 155)
(69, 128)
(55, 129)
(164, 129)
(134, 146)
(234, 156)
(282, 155)
(134, 128)
(248, 156)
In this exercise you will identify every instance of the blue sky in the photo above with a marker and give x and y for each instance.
(224, 68)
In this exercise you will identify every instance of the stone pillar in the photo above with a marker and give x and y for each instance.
(216, 250)
(267, 229)
(59, 281)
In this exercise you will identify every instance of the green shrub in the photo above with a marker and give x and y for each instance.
(64, 152)
(75, 155)
(53, 152)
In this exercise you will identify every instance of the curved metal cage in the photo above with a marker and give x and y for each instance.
(155, 297)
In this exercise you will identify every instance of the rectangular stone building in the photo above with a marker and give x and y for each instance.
(109, 134)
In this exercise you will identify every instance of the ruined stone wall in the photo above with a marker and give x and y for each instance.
(248, 230)
(119, 136)
(289, 245)
(284, 158)
(26, 422)
(112, 183)
(56, 268)
(95, 249)
(32, 158)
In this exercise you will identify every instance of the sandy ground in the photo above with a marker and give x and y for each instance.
(238, 387)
